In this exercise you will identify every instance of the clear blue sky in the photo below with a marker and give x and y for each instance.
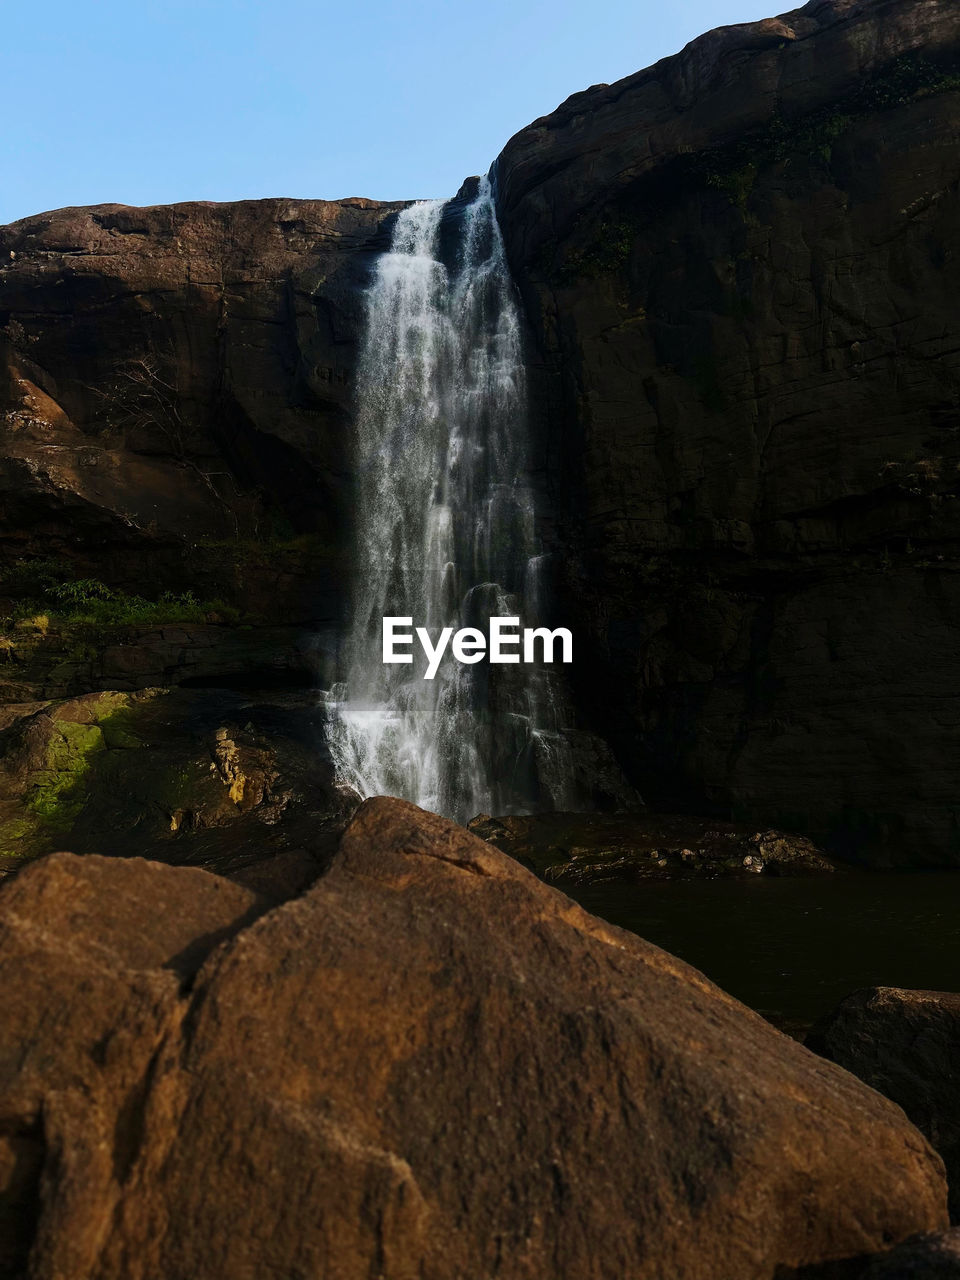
(149, 101)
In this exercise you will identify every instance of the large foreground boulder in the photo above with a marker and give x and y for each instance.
(428, 1066)
(906, 1045)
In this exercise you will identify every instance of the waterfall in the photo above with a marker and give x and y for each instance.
(446, 530)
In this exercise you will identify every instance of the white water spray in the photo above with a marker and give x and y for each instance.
(446, 532)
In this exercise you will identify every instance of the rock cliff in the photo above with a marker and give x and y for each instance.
(740, 267)
(740, 273)
(175, 388)
(175, 498)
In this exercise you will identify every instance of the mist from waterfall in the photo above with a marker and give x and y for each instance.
(446, 531)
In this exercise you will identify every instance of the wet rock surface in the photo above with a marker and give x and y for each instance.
(906, 1045)
(503, 1101)
(579, 849)
(740, 270)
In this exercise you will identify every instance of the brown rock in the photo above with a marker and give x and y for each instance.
(93, 952)
(174, 387)
(430, 1065)
(906, 1045)
(149, 915)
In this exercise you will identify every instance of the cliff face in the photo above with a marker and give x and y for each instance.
(174, 510)
(174, 386)
(740, 266)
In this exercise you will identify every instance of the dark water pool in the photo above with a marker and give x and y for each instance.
(794, 948)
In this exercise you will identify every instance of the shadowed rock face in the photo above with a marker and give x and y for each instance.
(740, 266)
(906, 1045)
(193, 777)
(927, 1257)
(429, 1065)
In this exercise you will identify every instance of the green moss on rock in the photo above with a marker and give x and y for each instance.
(59, 750)
(16, 837)
(56, 797)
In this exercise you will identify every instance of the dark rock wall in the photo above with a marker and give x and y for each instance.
(741, 270)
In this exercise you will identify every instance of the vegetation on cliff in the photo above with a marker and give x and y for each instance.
(44, 591)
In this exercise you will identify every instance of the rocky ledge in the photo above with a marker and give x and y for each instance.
(590, 848)
(430, 1065)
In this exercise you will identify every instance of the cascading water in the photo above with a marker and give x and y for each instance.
(446, 532)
